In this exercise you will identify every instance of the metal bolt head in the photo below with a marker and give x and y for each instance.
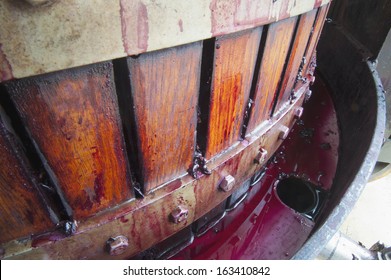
(312, 80)
(70, 227)
(227, 184)
(284, 131)
(179, 214)
(261, 156)
(308, 95)
(116, 245)
(298, 112)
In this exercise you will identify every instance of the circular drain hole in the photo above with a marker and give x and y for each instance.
(297, 194)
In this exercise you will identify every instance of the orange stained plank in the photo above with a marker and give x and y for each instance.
(164, 88)
(234, 62)
(22, 210)
(295, 57)
(318, 26)
(73, 118)
(278, 40)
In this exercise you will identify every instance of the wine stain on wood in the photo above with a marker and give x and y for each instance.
(303, 33)
(22, 210)
(164, 89)
(73, 118)
(275, 54)
(230, 88)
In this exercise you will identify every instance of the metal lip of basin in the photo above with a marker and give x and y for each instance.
(370, 124)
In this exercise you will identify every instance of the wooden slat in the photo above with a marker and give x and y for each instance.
(147, 222)
(164, 88)
(22, 210)
(276, 48)
(234, 61)
(295, 57)
(74, 120)
(318, 26)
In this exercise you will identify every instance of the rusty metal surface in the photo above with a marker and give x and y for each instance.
(147, 221)
(36, 39)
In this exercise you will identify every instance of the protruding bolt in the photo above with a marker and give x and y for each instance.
(312, 80)
(68, 227)
(308, 95)
(116, 245)
(284, 131)
(179, 214)
(227, 184)
(261, 156)
(298, 112)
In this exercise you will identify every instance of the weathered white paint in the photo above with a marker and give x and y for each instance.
(177, 22)
(297, 7)
(41, 39)
(69, 33)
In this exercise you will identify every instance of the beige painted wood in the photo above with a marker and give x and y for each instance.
(64, 34)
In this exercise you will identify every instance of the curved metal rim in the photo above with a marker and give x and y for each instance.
(324, 234)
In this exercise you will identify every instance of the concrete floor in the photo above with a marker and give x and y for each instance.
(370, 219)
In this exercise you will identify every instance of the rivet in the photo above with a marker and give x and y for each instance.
(179, 214)
(284, 131)
(298, 112)
(116, 245)
(227, 184)
(261, 156)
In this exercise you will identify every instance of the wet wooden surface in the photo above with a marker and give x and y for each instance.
(304, 28)
(234, 62)
(164, 89)
(22, 209)
(146, 222)
(278, 40)
(318, 26)
(74, 120)
(73, 117)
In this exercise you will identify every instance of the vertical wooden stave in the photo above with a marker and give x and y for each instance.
(279, 36)
(164, 88)
(73, 118)
(230, 88)
(299, 45)
(23, 211)
(318, 26)
(224, 90)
